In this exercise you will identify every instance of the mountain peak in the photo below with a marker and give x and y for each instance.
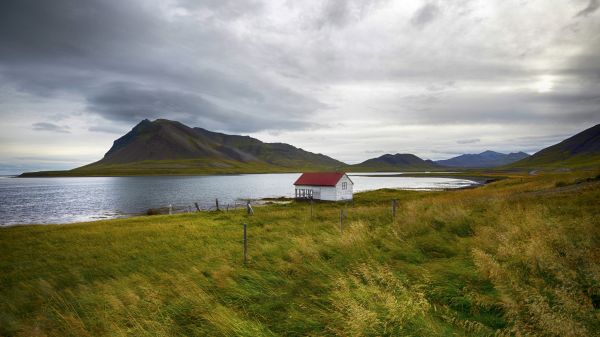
(490, 152)
(396, 162)
(166, 140)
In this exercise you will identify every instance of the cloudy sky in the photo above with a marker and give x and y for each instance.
(351, 79)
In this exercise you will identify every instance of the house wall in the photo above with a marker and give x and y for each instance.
(328, 193)
(344, 194)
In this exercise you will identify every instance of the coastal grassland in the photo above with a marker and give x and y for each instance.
(515, 257)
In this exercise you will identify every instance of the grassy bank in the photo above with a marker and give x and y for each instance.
(518, 256)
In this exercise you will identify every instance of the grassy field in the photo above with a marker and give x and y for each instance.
(515, 257)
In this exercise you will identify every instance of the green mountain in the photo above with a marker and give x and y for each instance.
(581, 150)
(170, 147)
(395, 162)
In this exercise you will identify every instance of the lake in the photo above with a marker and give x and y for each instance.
(65, 200)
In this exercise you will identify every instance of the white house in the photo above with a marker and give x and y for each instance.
(332, 186)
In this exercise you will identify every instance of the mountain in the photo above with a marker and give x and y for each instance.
(581, 150)
(483, 159)
(169, 147)
(395, 162)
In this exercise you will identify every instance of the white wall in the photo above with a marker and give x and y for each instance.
(347, 193)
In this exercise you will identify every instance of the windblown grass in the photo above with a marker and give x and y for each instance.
(516, 257)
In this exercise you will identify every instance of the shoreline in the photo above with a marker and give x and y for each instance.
(267, 201)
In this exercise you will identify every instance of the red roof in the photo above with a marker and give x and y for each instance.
(319, 178)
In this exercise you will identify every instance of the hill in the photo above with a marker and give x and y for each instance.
(395, 162)
(483, 159)
(581, 150)
(170, 147)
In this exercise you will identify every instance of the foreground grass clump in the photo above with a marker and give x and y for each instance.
(516, 257)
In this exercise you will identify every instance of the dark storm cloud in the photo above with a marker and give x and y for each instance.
(63, 46)
(425, 15)
(128, 102)
(44, 126)
(65, 31)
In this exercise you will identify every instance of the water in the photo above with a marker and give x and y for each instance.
(64, 200)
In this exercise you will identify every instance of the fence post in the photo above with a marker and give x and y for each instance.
(249, 208)
(341, 220)
(197, 207)
(217, 203)
(245, 244)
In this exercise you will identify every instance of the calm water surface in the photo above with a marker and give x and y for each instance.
(63, 200)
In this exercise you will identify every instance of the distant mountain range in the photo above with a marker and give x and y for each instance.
(483, 160)
(164, 147)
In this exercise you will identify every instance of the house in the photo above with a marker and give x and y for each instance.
(332, 186)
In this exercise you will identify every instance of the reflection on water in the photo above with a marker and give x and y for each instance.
(63, 200)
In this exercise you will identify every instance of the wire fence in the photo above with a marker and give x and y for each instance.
(345, 213)
(195, 207)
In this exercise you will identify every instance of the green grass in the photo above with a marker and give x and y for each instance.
(515, 257)
(559, 161)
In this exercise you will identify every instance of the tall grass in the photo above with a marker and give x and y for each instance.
(516, 257)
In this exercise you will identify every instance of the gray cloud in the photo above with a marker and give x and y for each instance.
(468, 141)
(340, 13)
(44, 126)
(106, 129)
(329, 76)
(592, 6)
(425, 15)
(66, 47)
(127, 102)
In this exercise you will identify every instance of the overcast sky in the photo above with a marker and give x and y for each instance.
(350, 79)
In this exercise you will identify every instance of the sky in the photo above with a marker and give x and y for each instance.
(351, 79)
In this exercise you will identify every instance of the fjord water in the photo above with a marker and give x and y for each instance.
(65, 200)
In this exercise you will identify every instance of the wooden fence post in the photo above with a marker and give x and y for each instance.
(197, 207)
(245, 244)
(217, 203)
(249, 209)
(341, 220)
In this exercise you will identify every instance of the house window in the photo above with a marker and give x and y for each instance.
(344, 185)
